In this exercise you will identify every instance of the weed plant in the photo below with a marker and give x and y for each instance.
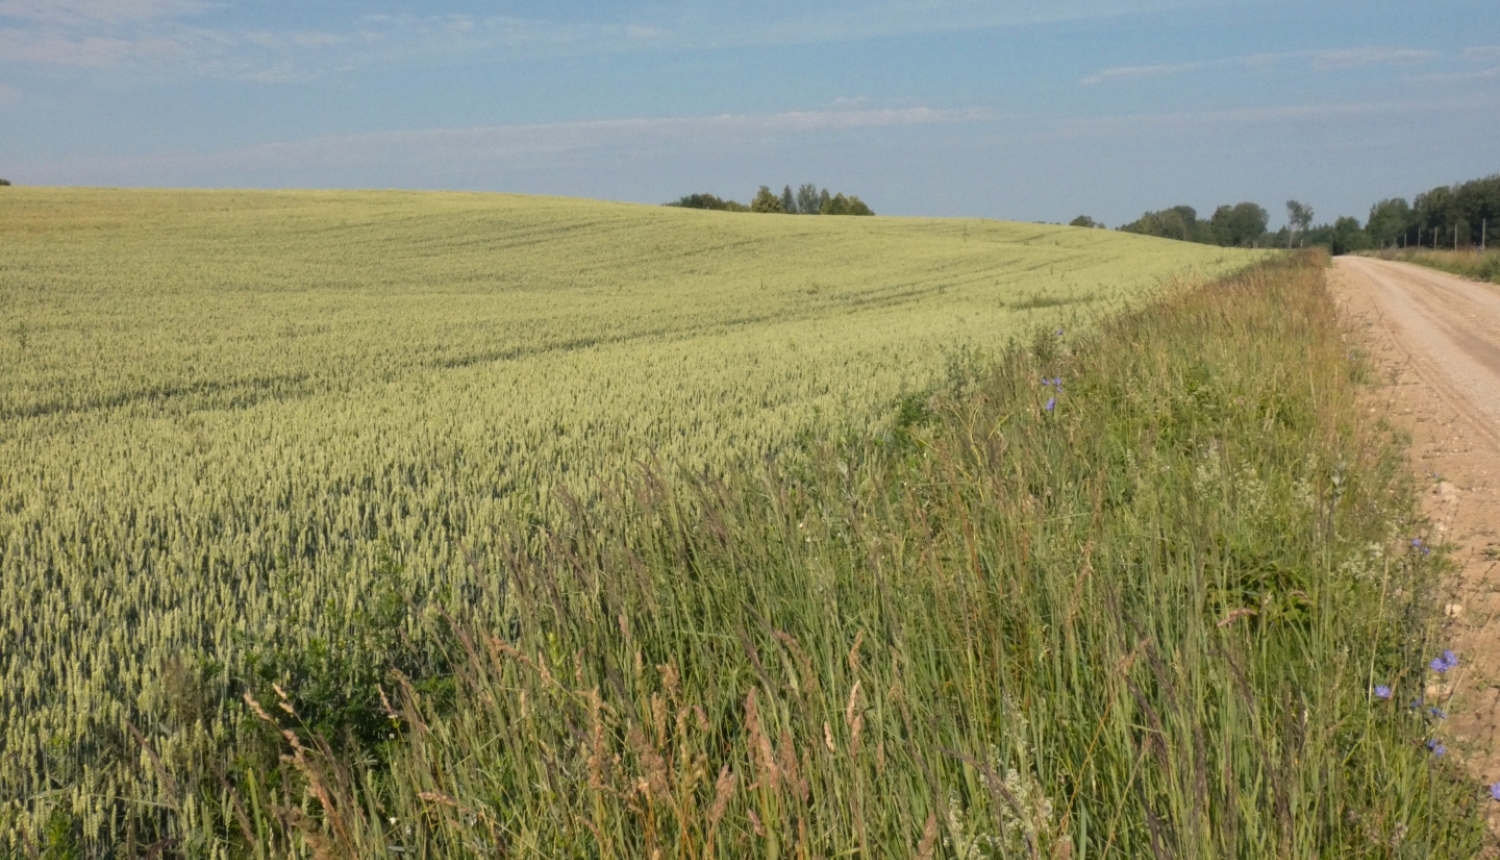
(1153, 592)
(1474, 264)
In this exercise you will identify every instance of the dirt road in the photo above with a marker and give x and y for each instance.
(1436, 341)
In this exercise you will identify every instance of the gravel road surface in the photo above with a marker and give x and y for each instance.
(1435, 339)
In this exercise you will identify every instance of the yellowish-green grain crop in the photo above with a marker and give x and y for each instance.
(219, 411)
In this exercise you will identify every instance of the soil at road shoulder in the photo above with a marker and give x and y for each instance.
(1428, 341)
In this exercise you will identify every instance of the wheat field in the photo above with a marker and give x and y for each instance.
(227, 419)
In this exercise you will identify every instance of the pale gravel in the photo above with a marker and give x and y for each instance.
(1435, 339)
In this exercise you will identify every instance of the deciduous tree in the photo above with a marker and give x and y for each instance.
(1240, 224)
(1390, 220)
(1299, 217)
(808, 201)
(836, 205)
(766, 201)
(1348, 236)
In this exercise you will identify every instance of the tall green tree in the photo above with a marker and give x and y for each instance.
(808, 201)
(1240, 224)
(788, 202)
(836, 205)
(1348, 236)
(766, 200)
(1437, 212)
(1299, 217)
(1178, 222)
(1390, 221)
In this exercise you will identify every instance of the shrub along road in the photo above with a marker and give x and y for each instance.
(1436, 338)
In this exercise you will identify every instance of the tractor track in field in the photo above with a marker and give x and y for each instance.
(1435, 340)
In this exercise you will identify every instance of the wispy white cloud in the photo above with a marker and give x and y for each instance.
(53, 49)
(161, 36)
(832, 22)
(504, 145)
(155, 36)
(1332, 59)
(119, 33)
(1258, 116)
(516, 140)
(75, 13)
(1459, 77)
(1482, 53)
(1119, 73)
(1355, 58)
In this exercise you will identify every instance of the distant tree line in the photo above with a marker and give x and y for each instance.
(1449, 216)
(709, 201)
(4, 181)
(1086, 221)
(1240, 225)
(807, 200)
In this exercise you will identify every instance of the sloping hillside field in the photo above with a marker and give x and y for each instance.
(237, 426)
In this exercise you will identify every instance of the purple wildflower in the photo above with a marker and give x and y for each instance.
(1438, 712)
(1443, 663)
(1382, 691)
(1417, 544)
(1437, 748)
(1051, 402)
(1495, 791)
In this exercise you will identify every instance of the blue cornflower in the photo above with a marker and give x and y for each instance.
(1443, 663)
(1438, 712)
(1382, 691)
(1437, 748)
(1051, 402)
(1418, 545)
(1495, 791)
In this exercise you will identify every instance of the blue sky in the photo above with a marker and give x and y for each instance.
(1027, 111)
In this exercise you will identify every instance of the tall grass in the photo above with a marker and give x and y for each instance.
(1478, 265)
(238, 427)
(1124, 596)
